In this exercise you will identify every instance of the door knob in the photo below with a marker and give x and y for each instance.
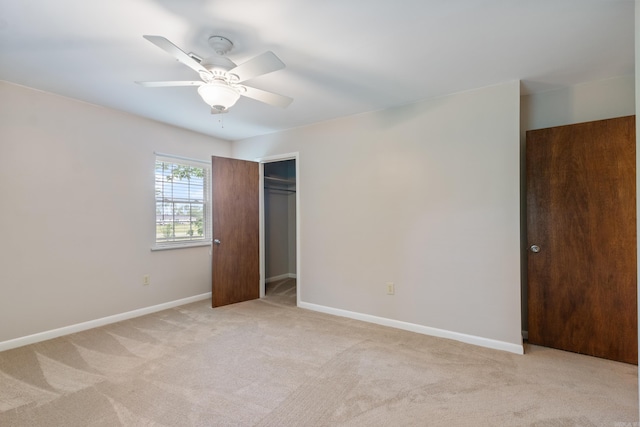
(535, 249)
(216, 241)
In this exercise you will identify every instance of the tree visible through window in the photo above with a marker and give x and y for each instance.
(181, 202)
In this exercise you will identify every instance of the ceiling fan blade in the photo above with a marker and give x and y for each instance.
(257, 66)
(267, 97)
(170, 84)
(176, 52)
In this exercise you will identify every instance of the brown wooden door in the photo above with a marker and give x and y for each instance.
(581, 213)
(235, 210)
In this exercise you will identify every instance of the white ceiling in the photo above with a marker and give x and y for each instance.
(343, 57)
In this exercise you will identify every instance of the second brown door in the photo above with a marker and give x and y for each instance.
(581, 219)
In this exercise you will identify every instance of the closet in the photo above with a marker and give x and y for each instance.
(280, 220)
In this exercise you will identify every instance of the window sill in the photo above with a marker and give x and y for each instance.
(179, 246)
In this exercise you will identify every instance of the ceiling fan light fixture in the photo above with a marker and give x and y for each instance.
(219, 96)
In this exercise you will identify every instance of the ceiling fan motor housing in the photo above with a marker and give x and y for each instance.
(218, 63)
(221, 45)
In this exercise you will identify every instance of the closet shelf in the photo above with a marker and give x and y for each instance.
(283, 190)
(280, 180)
(273, 184)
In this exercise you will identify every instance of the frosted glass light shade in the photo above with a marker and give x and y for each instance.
(218, 95)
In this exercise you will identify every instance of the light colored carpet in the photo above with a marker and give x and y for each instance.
(267, 363)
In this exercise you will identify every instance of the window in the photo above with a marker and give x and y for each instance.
(182, 209)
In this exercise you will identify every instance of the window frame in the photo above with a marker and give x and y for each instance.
(184, 161)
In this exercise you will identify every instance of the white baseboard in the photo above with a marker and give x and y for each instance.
(71, 329)
(412, 327)
(280, 277)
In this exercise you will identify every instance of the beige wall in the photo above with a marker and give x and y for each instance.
(276, 208)
(424, 195)
(77, 217)
(596, 100)
(421, 195)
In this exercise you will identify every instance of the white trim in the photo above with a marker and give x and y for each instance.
(78, 327)
(412, 327)
(206, 167)
(278, 158)
(280, 277)
(188, 159)
(178, 245)
(261, 232)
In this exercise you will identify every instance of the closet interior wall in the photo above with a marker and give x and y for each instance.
(280, 217)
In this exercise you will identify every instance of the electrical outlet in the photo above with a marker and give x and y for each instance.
(146, 279)
(391, 288)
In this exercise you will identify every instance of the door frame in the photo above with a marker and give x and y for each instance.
(271, 159)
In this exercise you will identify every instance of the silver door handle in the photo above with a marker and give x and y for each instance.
(534, 248)
(216, 241)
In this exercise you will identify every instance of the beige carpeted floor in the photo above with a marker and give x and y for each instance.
(268, 363)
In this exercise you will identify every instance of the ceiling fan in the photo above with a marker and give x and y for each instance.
(222, 80)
